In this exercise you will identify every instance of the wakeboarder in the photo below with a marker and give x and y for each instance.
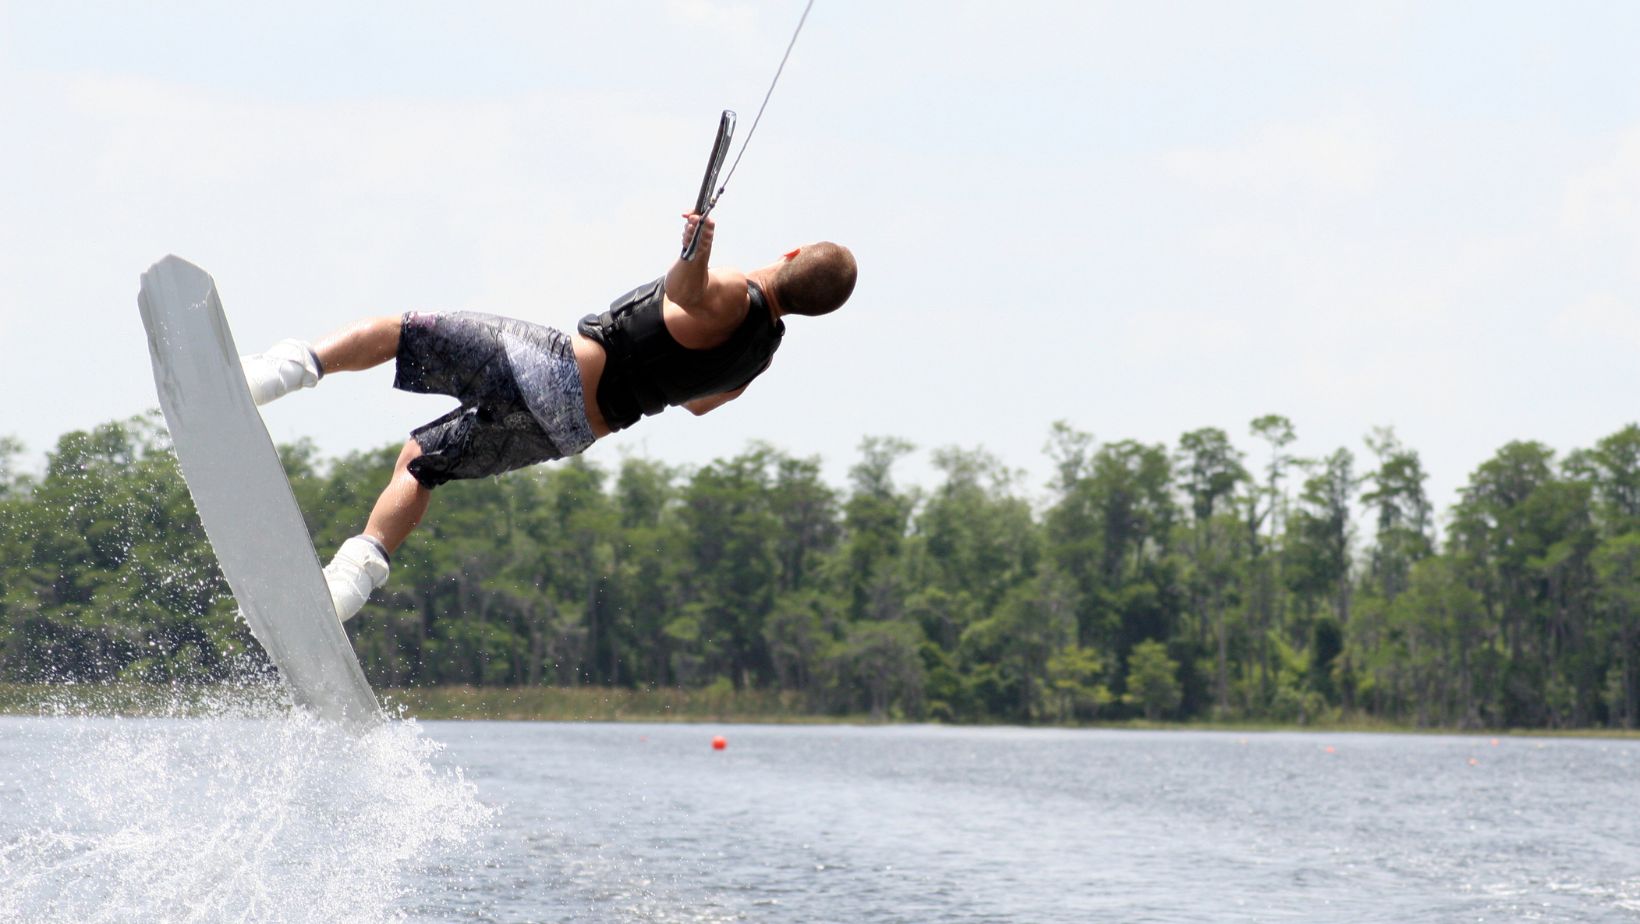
(696, 338)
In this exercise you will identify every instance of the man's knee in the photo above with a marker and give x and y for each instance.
(407, 473)
(410, 453)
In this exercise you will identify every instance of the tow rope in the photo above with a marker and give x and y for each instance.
(707, 199)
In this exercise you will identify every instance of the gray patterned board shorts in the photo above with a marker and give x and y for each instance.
(519, 388)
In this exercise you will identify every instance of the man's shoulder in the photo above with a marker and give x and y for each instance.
(726, 281)
(726, 297)
(721, 311)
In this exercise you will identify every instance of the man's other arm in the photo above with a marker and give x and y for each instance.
(710, 403)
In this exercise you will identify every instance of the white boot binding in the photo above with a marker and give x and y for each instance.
(360, 566)
(285, 367)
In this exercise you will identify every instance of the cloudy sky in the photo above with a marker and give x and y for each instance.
(1137, 218)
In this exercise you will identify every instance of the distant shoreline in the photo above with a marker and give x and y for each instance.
(596, 704)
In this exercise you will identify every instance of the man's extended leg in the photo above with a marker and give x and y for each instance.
(362, 345)
(292, 364)
(361, 564)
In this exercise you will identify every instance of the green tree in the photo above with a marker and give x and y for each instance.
(11, 480)
(979, 533)
(1076, 682)
(647, 589)
(1074, 540)
(1152, 680)
(1317, 551)
(1264, 516)
(807, 511)
(1528, 535)
(876, 517)
(882, 658)
(733, 560)
(1211, 470)
(1617, 568)
(802, 638)
(1613, 466)
(1129, 488)
(1033, 624)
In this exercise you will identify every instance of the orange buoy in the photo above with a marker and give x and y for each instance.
(719, 743)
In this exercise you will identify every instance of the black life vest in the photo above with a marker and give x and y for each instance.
(646, 370)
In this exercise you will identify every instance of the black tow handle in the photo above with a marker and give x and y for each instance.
(709, 190)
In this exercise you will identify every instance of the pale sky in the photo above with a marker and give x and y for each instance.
(1138, 218)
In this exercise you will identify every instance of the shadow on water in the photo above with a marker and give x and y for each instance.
(228, 805)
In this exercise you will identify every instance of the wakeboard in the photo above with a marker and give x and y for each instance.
(243, 496)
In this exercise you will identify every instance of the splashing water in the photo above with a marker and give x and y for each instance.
(237, 807)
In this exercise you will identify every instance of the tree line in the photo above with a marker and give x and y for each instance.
(1197, 580)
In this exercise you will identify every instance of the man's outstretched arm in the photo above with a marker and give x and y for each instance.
(686, 282)
(692, 285)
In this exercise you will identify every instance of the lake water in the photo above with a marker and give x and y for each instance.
(259, 814)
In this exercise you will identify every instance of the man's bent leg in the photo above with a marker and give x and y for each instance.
(361, 564)
(402, 503)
